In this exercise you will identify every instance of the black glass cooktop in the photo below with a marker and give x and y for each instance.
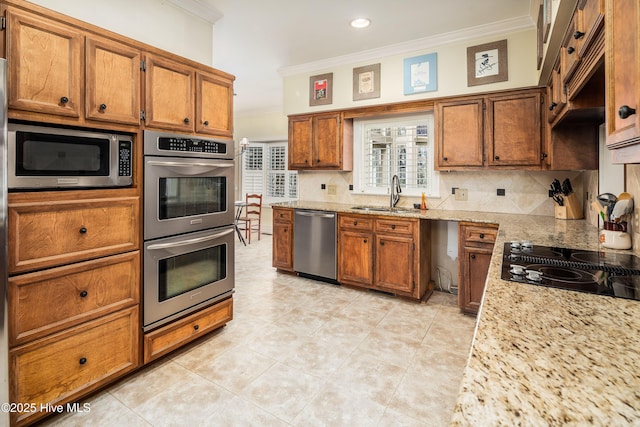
(605, 273)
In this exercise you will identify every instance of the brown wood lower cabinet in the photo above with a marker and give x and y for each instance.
(282, 239)
(475, 248)
(168, 338)
(386, 253)
(62, 367)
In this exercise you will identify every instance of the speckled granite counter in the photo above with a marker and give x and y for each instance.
(543, 356)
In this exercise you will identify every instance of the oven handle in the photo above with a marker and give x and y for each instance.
(188, 242)
(211, 165)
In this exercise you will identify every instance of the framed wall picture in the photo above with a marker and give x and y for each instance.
(420, 74)
(366, 82)
(487, 63)
(321, 89)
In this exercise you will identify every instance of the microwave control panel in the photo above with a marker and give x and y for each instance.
(192, 145)
(124, 158)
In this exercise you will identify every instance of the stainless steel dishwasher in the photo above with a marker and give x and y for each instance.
(314, 243)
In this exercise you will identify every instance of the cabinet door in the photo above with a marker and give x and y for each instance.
(355, 257)
(459, 133)
(513, 131)
(214, 108)
(300, 141)
(394, 263)
(282, 246)
(591, 20)
(169, 91)
(112, 82)
(622, 75)
(327, 144)
(474, 266)
(569, 57)
(44, 65)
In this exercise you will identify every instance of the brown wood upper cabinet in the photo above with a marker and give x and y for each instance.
(214, 104)
(183, 98)
(67, 72)
(320, 141)
(622, 75)
(497, 131)
(169, 100)
(112, 81)
(45, 62)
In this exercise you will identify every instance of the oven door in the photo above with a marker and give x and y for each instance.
(185, 273)
(184, 195)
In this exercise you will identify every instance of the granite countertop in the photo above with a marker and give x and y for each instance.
(542, 356)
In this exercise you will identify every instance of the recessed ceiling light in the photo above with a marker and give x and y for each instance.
(360, 23)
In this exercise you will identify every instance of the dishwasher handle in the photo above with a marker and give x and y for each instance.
(316, 214)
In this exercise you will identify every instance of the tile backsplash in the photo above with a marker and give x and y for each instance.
(526, 192)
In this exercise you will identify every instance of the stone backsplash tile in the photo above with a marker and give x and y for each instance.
(526, 192)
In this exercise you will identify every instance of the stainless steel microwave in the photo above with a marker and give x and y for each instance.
(44, 157)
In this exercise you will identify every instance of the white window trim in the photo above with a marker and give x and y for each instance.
(433, 181)
(265, 172)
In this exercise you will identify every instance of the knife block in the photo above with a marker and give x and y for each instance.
(571, 209)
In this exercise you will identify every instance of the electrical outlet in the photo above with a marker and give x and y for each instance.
(500, 192)
(461, 194)
(331, 189)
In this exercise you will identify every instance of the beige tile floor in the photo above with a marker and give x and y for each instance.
(300, 353)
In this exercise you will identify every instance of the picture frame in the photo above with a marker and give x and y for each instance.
(420, 74)
(547, 11)
(366, 82)
(321, 89)
(487, 63)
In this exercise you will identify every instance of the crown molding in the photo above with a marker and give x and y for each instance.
(471, 33)
(199, 8)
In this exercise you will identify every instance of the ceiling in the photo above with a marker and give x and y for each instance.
(260, 41)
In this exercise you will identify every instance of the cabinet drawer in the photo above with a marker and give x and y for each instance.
(480, 234)
(355, 222)
(180, 332)
(283, 215)
(57, 233)
(394, 226)
(62, 367)
(48, 301)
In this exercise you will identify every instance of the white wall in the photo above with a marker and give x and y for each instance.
(451, 75)
(154, 22)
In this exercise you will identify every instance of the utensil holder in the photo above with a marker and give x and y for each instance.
(571, 208)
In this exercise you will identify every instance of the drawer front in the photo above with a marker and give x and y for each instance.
(283, 215)
(355, 222)
(42, 236)
(480, 234)
(180, 332)
(67, 296)
(395, 226)
(60, 368)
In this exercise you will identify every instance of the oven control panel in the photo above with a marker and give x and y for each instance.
(195, 145)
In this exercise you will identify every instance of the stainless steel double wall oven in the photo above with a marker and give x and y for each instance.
(188, 224)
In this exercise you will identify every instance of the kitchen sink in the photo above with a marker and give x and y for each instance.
(381, 209)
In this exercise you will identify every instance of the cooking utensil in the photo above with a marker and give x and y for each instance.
(606, 199)
(619, 209)
(566, 187)
(558, 199)
(556, 187)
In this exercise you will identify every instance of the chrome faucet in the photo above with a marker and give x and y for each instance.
(395, 191)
